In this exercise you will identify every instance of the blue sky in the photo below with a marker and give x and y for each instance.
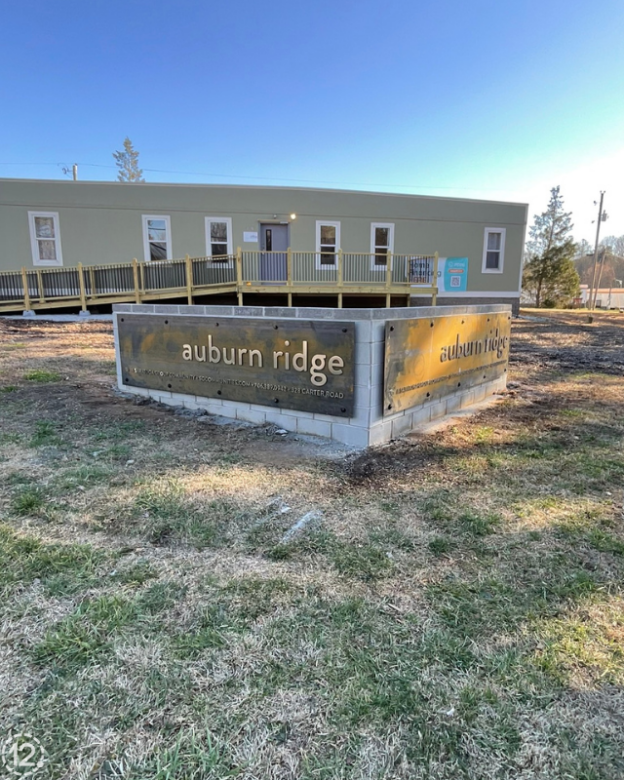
(496, 100)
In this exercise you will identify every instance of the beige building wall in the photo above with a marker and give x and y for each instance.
(101, 222)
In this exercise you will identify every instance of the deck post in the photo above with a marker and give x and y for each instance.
(142, 276)
(434, 281)
(40, 286)
(92, 281)
(135, 277)
(83, 293)
(340, 276)
(26, 291)
(289, 274)
(189, 280)
(239, 275)
(388, 279)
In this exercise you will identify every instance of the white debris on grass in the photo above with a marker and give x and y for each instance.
(309, 521)
(277, 505)
(275, 430)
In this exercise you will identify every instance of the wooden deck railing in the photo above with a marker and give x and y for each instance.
(287, 272)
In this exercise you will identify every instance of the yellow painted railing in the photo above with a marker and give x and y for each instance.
(288, 272)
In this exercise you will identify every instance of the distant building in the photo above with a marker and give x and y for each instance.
(606, 297)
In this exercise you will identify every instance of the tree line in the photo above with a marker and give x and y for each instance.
(610, 269)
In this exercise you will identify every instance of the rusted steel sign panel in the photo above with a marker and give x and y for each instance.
(285, 364)
(427, 359)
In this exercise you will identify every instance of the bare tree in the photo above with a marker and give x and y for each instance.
(583, 248)
(615, 244)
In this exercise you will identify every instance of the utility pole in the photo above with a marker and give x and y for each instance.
(593, 294)
(605, 255)
(75, 171)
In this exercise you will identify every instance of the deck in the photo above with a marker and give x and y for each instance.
(289, 273)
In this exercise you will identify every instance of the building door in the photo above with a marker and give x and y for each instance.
(273, 243)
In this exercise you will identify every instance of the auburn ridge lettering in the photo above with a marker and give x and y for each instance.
(241, 356)
(495, 343)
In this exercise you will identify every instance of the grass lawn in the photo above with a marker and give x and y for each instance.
(459, 613)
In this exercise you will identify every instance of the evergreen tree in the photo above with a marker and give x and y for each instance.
(549, 273)
(552, 278)
(128, 163)
(550, 228)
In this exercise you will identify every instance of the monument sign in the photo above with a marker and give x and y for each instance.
(429, 358)
(291, 364)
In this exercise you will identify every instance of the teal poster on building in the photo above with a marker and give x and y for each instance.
(452, 274)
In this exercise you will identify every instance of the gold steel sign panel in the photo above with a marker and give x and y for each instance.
(285, 364)
(427, 359)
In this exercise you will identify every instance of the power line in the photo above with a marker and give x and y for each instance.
(282, 179)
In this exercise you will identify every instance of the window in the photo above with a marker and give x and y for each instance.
(382, 243)
(45, 238)
(327, 244)
(493, 250)
(156, 237)
(219, 238)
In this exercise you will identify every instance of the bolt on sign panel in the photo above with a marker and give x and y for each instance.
(286, 364)
(428, 359)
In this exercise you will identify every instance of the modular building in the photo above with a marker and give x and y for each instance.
(65, 243)
(606, 297)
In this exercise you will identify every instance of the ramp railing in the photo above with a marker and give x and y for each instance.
(255, 271)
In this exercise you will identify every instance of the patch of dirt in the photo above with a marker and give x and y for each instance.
(570, 345)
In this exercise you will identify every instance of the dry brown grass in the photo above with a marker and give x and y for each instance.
(574, 317)
(458, 614)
